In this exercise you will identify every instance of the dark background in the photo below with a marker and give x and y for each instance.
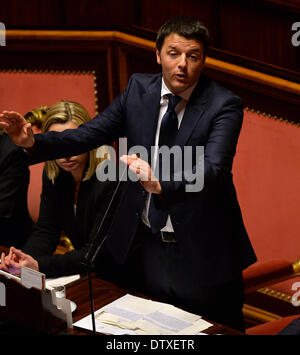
(254, 34)
(255, 29)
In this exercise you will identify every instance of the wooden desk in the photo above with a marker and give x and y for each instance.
(105, 292)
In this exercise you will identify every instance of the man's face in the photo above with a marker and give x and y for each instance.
(182, 62)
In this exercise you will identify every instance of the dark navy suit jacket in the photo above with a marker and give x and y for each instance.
(208, 224)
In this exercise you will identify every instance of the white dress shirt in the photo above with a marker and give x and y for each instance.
(180, 109)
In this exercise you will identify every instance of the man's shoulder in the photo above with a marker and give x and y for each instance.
(216, 89)
(145, 80)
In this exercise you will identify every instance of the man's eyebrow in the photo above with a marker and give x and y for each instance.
(196, 49)
(172, 47)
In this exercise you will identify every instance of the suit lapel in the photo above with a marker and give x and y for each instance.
(151, 106)
(192, 114)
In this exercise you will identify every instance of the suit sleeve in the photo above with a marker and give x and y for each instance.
(103, 129)
(214, 167)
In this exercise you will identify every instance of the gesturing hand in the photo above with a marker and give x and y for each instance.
(143, 171)
(18, 129)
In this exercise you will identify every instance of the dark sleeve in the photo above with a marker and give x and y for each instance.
(71, 262)
(103, 129)
(15, 222)
(46, 232)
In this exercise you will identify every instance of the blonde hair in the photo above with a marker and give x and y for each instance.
(63, 112)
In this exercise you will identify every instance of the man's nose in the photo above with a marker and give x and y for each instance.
(182, 61)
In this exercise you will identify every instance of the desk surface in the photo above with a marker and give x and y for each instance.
(105, 292)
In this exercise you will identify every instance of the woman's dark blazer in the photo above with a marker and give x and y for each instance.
(57, 215)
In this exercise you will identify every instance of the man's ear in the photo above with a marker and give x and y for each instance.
(158, 57)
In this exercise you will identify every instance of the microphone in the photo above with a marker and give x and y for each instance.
(97, 242)
(95, 246)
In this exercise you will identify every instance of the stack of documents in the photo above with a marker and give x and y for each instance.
(138, 316)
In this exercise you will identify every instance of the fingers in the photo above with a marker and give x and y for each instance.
(8, 263)
(3, 265)
(12, 116)
(133, 162)
(129, 159)
(138, 166)
(14, 260)
(4, 122)
(16, 252)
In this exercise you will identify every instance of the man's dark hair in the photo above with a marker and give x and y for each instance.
(184, 26)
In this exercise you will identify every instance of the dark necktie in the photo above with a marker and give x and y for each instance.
(167, 134)
(169, 123)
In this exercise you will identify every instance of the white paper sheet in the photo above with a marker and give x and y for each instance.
(134, 315)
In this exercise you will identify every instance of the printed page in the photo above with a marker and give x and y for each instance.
(142, 316)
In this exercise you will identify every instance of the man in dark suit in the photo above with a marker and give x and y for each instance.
(185, 248)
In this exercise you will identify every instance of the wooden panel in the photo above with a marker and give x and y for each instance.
(115, 56)
(63, 14)
(258, 30)
(133, 60)
(31, 13)
(97, 14)
(206, 11)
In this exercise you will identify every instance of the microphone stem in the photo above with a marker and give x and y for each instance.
(91, 300)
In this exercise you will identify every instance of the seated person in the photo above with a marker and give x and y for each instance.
(73, 200)
(15, 221)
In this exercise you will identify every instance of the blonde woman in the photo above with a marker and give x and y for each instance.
(73, 201)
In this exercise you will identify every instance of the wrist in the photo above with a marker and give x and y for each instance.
(158, 188)
(29, 150)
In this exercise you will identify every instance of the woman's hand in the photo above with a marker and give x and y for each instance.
(15, 259)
